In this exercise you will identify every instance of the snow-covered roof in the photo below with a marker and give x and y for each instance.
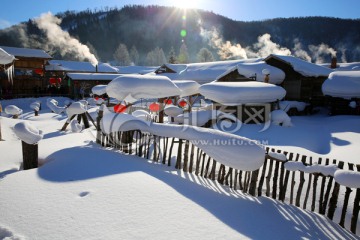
(187, 87)
(5, 57)
(93, 76)
(353, 66)
(344, 84)
(75, 66)
(236, 93)
(132, 87)
(26, 52)
(305, 68)
(135, 69)
(202, 72)
(248, 70)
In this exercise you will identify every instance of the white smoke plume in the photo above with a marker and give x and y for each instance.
(264, 47)
(299, 51)
(226, 50)
(50, 24)
(320, 51)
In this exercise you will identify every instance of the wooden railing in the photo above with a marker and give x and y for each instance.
(314, 192)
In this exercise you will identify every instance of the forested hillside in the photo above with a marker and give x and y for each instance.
(151, 35)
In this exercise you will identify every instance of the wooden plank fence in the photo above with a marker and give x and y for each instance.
(314, 192)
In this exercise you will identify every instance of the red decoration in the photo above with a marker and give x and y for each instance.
(54, 80)
(39, 71)
(96, 98)
(154, 107)
(119, 108)
(168, 101)
(182, 103)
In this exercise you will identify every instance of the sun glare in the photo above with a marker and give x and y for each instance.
(185, 4)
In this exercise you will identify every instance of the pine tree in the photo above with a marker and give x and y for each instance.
(183, 54)
(134, 55)
(122, 56)
(205, 55)
(172, 56)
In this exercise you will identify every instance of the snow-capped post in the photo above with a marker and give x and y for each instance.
(13, 110)
(29, 136)
(266, 72)
(98, 119)
(161, 112)
(36, 106)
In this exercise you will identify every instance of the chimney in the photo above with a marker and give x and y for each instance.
(333, 62)
(96, 68)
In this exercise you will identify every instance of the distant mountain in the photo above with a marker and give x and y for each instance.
(155, 30)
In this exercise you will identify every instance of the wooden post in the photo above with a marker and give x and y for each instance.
(161, 112)
(346, 200)
(356, 209)
(30, 155)
(334, 196)
(254, 177)
(68, 122)
(98, 129)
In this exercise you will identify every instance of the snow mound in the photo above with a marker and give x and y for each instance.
(326, 170)
(75, 108)
(236, 93)
(75, 126)
(142, 114)
(343, 84)
(280, 117)
(347, 178)
(133, 87)
(28, 133)
(53, 105)
(99, 90)
(13, 110)
(187, 87)
(173, 111)
(35, 106)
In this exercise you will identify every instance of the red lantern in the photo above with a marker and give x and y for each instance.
(119, 108)
(96, 98)
(182, 103)
(39, 71)
(154, 107)
(168, 102)
(52, 80)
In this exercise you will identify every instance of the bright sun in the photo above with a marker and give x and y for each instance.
(185, 3)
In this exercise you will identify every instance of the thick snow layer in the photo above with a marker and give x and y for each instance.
(53, 105)
(344, 84)
(99, 90)
(326, 170)
(75, 108)
(347, 178)
(13, 110)
(26, 52)
(28, 133)
(74, 66)
(93, 76)
(278, 156)
(236, 93)
(253, 69)
(287, 105)
(133, 87)
(5, 58)
(84, 191)
(142, 114)
(187, 87)
(305, 68)
(280, 117)
(231, 150)
(173, 111)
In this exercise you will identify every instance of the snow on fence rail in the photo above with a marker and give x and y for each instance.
(309, 189)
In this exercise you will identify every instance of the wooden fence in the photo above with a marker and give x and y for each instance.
(314, 192)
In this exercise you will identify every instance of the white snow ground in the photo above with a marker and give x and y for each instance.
(83, 191)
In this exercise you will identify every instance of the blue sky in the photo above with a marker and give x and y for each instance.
(16, 11)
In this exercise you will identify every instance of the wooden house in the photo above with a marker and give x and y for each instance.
(28, 79)
(303, 80)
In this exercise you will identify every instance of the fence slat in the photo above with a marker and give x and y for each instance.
(356, 209)
(308, 188)
(346, 200)
(301, 184)
(334, 196)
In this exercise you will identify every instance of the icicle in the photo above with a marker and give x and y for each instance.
(10, 73)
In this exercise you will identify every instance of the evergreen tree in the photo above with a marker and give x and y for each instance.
(183, 54)
(156, 57)
(172, 55)
(134, 55)
(122, 56)
(205, 55)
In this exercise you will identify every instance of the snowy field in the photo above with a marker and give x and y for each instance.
(83, 191)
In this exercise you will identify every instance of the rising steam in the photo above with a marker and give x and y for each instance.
(264, 47)
(62, 40)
